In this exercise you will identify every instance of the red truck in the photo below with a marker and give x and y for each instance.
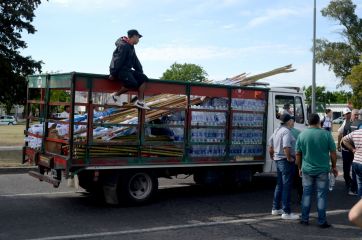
(217, 133)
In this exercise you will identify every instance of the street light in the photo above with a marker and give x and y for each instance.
(314, 62)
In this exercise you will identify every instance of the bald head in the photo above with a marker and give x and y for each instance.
(354, 115)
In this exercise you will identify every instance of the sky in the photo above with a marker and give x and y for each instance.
(225, 37)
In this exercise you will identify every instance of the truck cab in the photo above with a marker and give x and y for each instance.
(284, 100)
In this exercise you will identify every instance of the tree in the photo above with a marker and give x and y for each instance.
(355, 80)
(185, 72)
(320, 94)
(15, 17)
(341, 56)
(326, 97)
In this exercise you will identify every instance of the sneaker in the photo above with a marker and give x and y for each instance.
(325, 225)
(350, 193)
(141, 104)
(276, 212)
(290, 216)
(114, 100)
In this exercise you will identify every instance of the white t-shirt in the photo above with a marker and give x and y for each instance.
(327, 122)
(64, 115)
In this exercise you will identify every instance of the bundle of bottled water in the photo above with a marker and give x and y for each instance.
(254, 105)
(178, 134)
(208, 134)
(214, 103)
(246, 150)
(207, 150)
(247, 136)
(248, 119)
(208, 118)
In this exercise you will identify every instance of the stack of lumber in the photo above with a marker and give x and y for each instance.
(161, 105)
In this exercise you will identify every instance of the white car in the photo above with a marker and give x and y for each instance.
(7, 120)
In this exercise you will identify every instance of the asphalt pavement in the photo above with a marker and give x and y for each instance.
(35, 210)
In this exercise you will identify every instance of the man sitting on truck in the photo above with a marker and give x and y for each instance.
(126, 68)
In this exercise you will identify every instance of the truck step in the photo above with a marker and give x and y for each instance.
(44, 178)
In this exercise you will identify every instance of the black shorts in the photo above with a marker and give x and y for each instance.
(132, 79)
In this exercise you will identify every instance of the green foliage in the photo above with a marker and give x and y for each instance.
(355, 80)
(15, 17)
(341, 56)
(185, 72)
(327, 97)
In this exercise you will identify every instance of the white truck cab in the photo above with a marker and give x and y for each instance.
(282, 100)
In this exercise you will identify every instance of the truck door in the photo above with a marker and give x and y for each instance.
(292, 104)
(280, 103)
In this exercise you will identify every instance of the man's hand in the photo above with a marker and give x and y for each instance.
(335, 171)
(339, 149)
(300, 173)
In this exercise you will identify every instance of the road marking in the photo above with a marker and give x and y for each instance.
(176, 227)
(35, 194)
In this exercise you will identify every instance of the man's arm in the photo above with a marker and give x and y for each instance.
(347, 141)
(355, 215)
(287, 153)
(298, 161)
(339, 142)
(137, 65)
(340, 135)
(271, 152)
(333, 156)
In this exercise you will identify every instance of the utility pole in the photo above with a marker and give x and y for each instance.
(314, 61)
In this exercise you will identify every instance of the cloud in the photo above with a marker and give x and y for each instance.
(270, 15)
(303, 77)
(229, 26)
(189, 53)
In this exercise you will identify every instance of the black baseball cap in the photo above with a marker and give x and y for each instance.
(133, 32)
(285, 118)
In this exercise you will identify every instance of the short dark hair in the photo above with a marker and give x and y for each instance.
(328, 110)
(314, 119)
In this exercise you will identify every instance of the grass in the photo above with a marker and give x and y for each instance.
(12, 135)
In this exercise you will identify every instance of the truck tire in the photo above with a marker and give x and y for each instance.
(137, 188)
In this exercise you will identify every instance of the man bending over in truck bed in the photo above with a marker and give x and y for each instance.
(126, 68)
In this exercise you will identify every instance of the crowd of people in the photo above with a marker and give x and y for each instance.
(310, 157)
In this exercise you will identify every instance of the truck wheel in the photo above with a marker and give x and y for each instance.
(137, 188)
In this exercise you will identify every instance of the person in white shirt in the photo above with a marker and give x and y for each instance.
(65, 113)
(327, 121)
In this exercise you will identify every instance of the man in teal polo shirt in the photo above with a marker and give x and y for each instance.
(315, 149)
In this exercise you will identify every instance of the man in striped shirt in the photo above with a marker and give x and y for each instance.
(353, 142)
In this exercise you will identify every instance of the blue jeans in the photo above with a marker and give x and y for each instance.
(357, 169)
(285, 174)
(310, 182)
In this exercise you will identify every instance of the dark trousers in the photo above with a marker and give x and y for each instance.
(297, 183)
(351, 182)
(132, 79)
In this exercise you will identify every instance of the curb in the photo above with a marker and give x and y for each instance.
(17, 170)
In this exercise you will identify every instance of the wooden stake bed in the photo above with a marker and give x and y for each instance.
(218, 146)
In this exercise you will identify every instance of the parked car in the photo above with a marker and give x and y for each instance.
(338, 120)
(7, 120)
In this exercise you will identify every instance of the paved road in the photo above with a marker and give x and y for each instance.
(34, 210)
